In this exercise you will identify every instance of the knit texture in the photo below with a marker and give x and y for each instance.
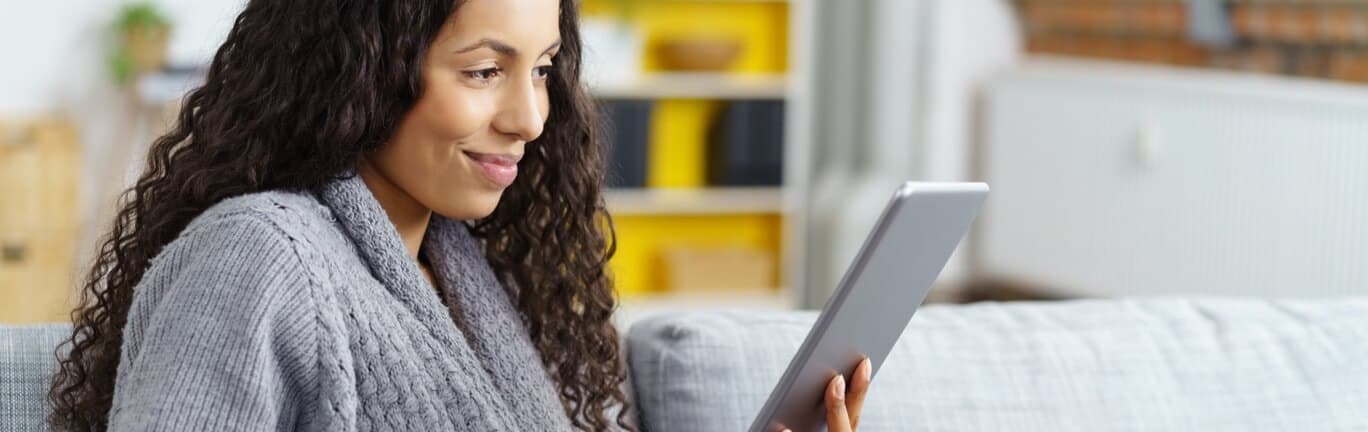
(303, 311)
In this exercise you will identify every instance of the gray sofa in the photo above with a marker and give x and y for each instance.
(26, 365)
(1142, 365)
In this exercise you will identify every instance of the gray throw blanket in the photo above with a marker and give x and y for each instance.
(303, 311)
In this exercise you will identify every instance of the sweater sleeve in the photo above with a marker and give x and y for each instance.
(222, 335)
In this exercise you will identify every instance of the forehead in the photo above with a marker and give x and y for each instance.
(533, 23)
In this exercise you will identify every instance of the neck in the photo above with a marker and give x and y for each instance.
(409, 216)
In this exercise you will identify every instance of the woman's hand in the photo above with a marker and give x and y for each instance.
(844, 402)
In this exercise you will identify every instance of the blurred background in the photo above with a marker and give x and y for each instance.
(1134, 147)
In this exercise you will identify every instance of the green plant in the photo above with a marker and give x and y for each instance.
(142, 14)
(121, 65)
(141, 18)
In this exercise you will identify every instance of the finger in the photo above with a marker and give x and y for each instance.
(859, 385)
(837, 419)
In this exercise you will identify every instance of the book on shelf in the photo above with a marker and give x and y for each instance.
(746, 144)
(628, 129)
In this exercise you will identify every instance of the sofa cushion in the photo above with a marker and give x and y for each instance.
(1160, 364)
(27, 361)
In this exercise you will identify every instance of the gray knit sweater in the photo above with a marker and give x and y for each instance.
(302, 311)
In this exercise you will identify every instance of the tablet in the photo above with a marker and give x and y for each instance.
(882, 288)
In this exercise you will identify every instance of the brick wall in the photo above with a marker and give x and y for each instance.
(1312, 38)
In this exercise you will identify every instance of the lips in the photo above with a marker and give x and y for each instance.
(506, 160)
(500, 169)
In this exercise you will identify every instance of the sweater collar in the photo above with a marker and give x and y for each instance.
(492, 338)
(379, 244)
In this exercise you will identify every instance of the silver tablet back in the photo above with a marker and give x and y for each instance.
(889, 278)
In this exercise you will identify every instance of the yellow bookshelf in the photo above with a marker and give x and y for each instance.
(642, 237)
(678, 208)
(761, 26)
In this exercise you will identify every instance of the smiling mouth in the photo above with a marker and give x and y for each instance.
(493, 158)
(499, 169)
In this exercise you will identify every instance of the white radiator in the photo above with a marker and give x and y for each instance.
(1121, 180)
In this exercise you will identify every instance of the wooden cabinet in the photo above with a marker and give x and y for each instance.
(38, 174)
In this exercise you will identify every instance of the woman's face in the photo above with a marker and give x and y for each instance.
(484, 97)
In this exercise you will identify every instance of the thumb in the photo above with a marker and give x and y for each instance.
(837, 418)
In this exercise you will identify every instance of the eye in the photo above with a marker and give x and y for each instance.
(542, 72)
(484, 74)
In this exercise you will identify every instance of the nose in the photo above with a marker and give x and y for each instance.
(521, 112)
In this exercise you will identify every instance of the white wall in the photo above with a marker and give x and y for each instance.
(54, 63)
(54, 52)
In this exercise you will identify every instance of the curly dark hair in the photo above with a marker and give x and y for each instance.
(297, 95)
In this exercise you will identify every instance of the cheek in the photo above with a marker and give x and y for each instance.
(544, 104)
(450, 111)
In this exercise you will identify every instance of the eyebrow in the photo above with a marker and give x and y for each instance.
(501, 47)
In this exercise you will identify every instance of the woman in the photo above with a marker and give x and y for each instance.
(297, 254)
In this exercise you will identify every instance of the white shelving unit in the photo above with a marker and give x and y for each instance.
(634, 309)
(729, 200)
(702, 85)
(731, 1)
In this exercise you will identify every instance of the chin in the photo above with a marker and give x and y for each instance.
(470, 209)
